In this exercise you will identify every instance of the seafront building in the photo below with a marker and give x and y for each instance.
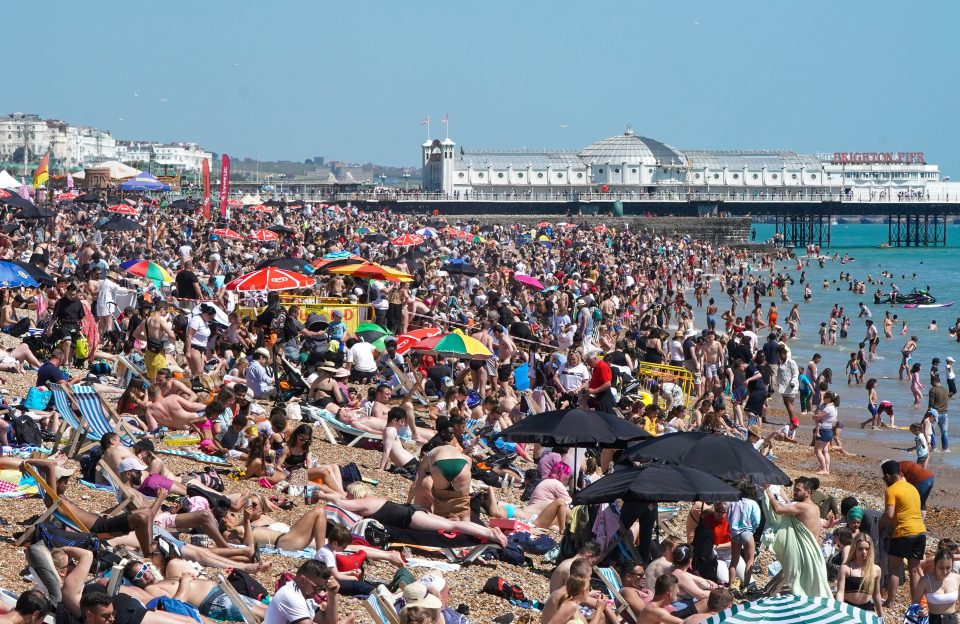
(73, 147)
(629, 164)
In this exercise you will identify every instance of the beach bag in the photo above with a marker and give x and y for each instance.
(38, 399)
(20, 327)
(81, 350)
(100, 368)
(26, 430)
(246, 585)
(372, 531)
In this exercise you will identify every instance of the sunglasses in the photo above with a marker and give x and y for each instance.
(140, 572)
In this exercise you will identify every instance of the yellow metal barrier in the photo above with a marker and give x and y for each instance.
(664, 373)
(353, 313)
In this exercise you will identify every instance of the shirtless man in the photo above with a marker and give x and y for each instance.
(182, 583)
(665, 593)
(393, 449)
(381, 407)
(589, 551)
(168, 385)
(712, 357)
(580, 567)
(506, 348)
(720, 599)
(872, 338)
(802, 508)
(157, 332)
(173, 411)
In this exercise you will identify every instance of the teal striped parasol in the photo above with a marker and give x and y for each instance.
(794, 610)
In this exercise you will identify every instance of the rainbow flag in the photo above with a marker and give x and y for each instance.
(42, 174)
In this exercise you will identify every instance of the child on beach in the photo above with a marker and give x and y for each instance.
(823, 333)
(934, 369)
(916, 386)
(929, 420)
(876, 407)
(853, 370)
(951, 377)
(920, 445)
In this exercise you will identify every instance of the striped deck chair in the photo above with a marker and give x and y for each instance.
(380, 610)
(125, 494)
(133, 368)
(53, 509)
(99, 416)
(69, 417)
(611, 580)
(412, 389)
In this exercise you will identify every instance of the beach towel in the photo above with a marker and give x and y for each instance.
(804, 569)
(14, 485)
(181, 439)
(97, 486)
(200, 457)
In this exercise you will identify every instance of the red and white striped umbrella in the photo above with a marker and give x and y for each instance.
(226, 233)
(271, 278)
(234, 203)
(264, 235)
(67, 196)
(262, 208)
(122, 209)
(407, 240)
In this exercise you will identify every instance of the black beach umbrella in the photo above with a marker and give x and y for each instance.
(290, 264)
(121, 224)
(375, 238)
(575, 427)
(88, 198)
(721, 456)
(274, 202)
(337, 262)
(184, 204)
(15, 201)
(460, 267)
(656, 483)
(43, 278)
(10, 228)
(32, 211)
(280, 229)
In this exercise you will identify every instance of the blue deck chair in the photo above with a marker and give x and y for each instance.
(611, 580)
(95, 415)
(379, 610)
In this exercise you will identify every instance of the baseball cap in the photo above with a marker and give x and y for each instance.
(447, 382)
(131, 463)
(416, 595)
(951, 360)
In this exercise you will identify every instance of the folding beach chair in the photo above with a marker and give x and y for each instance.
(69, 417)
(54, 507)
(380, 610)
(614, 584)
(126, 495)
(99, 415)
(133, 368)
(329, 423)
(249, 617)
(412, 389)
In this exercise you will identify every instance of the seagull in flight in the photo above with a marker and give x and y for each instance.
(564, 125)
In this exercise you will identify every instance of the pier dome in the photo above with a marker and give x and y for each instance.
(631, 149)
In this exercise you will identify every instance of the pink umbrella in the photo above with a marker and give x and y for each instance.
(528, 280)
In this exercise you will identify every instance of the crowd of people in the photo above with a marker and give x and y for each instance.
(622, 321)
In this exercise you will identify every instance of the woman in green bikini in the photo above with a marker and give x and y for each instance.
(445, 473)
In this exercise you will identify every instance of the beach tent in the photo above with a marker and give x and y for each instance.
(144, 182)
(118, 170)
(7, 181)
(250, 200)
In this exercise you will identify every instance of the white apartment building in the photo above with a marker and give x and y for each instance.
(72, 147)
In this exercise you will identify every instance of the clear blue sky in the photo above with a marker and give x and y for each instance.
(353, 80)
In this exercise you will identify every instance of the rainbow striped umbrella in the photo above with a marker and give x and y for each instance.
(455, 345)
(148, 270)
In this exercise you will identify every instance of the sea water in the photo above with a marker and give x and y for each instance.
(936, 267)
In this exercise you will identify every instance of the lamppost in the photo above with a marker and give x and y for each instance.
(406, 181)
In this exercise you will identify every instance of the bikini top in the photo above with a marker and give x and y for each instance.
(940, 599)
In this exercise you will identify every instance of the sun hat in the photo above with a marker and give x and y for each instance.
(261, 351)
(341, 372)
(755, 431)
(416, 595)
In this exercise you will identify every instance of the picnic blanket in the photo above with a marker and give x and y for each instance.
(181, 439)
(15, 485)
(200, 457)
(796, 548)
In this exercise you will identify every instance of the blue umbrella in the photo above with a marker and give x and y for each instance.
(12, 276)
(336, 255)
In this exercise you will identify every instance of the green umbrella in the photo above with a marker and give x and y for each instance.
(371, 332)
(794, 610)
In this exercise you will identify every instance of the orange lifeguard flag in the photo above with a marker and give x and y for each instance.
(42, 174)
